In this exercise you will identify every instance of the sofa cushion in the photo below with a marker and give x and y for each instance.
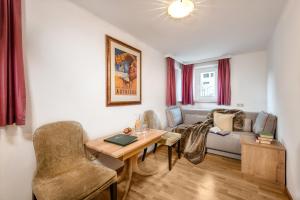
(223, 121)
(193, 118)
(174, 116)
(229, 143)
(260, 122)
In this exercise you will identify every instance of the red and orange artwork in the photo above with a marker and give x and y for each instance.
(125, 73)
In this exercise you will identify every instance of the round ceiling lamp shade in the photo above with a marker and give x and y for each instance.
(181, 8)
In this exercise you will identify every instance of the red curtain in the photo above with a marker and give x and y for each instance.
(12, 84)
(224, 88)
(187, 84)
(171, 82)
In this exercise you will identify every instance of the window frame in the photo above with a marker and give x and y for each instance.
(202, 68)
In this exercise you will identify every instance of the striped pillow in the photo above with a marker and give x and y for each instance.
(265, 122)
(260, 122)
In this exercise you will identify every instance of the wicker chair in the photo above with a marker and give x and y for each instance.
(63, 171)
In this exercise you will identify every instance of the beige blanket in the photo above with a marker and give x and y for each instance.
(194, 137)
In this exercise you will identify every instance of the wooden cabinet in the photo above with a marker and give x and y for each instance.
(266, 161)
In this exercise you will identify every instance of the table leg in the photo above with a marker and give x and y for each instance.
(128, 184)
(136, 168)
(130, 166)
(124, 172)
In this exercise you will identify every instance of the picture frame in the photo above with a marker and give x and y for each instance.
(123, 73)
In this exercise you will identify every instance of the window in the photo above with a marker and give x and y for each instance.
(205, 83)
(178, 77)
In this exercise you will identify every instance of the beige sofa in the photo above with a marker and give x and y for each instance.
(228, 145)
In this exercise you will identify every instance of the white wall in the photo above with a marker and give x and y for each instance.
(248, 83)
(284, 89)
(65, 65)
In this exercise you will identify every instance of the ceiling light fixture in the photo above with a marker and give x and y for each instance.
(181, 8)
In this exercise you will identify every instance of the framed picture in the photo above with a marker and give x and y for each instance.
(123, 73)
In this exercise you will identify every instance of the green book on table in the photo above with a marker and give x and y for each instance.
(121, 139)
(265, 134)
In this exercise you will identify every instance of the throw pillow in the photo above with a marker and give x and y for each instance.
(247, 125)
(174, 116)
(270, 125)
(223, 121)
(193, 118)
(260, 122)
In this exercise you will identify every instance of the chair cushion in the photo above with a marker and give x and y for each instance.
(170, 138)
(85, 179)
(174, 116)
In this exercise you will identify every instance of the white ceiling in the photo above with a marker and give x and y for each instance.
(215, 28)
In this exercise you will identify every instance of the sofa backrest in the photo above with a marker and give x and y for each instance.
(204, 113)
(191, 116)
(252, 116)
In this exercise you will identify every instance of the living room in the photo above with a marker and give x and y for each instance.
(66, 46)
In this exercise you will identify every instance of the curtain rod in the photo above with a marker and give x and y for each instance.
(199, 61)
(207, 60)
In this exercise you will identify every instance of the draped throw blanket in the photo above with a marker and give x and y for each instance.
(194, 137)
(194, 140)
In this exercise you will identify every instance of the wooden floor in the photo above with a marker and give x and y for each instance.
(216, 178)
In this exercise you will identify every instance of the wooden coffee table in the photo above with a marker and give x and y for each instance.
(128, 154)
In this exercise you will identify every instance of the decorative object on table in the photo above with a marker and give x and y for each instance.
(145, 127)
(121, 139)
(127, 131)
(123, 73)
(138, 125)
(63, 169)
(265, 138)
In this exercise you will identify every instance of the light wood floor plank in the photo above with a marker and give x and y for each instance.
(216, 178)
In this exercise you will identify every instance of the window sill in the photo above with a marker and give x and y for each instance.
(210, 102)
(214, 102)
